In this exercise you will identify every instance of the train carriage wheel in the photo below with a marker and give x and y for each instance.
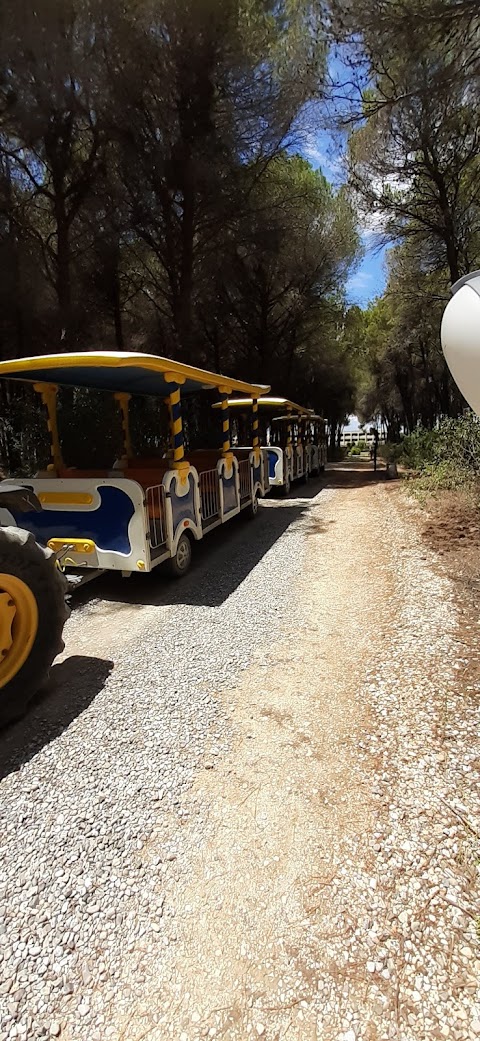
(180, 562)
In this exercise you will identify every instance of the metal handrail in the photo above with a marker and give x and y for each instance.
(245, 482)
(209, 494)
(155, 496)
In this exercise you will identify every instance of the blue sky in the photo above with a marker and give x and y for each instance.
(324, 150)
(368, 281)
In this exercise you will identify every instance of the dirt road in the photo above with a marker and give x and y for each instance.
(293, 799)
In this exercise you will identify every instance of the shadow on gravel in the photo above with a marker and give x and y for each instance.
(353, 474)
(221, 562)
(224, 559)
(72, 686)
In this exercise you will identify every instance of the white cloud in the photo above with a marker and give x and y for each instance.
(314, 153)
(322, 155)
(361, 280)
(373, 223)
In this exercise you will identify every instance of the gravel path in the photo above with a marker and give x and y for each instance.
(278, 836)
(104, 760)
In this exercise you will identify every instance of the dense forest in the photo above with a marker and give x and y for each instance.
(154, 194)
(414, 169)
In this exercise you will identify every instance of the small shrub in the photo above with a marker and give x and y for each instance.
(361, 446)
(447, 458)
(390, 451)
(419, 448)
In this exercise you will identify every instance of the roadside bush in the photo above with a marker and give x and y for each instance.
(390, 451)
(419, 449)
(357, 449)
(459, 444)
(445, 458)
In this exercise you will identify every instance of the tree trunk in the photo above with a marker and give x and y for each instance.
(62, 281)
(446, 211)
(216, 350)
(117, 308)
(184, 305)
(452, 258)
(15, 261)
(261, 347)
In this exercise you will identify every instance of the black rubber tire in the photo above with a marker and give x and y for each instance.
(180, 563)
(286, 487)
(251, 511)
(21, 556)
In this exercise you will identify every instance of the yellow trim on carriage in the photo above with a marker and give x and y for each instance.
(65, 498)
(76, 545)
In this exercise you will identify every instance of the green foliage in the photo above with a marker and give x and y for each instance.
(413, 161)
(327, 362)
(445, 458)
(418, 450)
(404, 376)
(151, 198)
(459, 444)
(361, 446)
(294, 247)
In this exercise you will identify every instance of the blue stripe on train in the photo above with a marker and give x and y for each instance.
(107, 526)
(272, 461)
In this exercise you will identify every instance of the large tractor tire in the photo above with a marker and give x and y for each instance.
(32, 615)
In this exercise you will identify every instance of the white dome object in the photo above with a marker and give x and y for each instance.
(460, 335)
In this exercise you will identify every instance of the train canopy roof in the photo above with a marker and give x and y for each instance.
(271, 402)
(123, 372)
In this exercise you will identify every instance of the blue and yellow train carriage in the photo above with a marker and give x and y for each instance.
(282, 434)
(316, 443)
(141, 510)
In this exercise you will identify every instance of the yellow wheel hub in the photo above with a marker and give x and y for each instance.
(18, 625)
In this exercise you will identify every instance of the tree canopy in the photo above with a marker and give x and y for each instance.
(154, 196)
(411, 100)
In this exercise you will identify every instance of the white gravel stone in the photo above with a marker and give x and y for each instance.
(90, 778)
(92, 773)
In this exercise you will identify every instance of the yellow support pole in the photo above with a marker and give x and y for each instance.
(289, 429)
(123, 401)
(255, 436)
(225, 392)
(48, 393)
(176, 429)
(177, 454)
(225, 422)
